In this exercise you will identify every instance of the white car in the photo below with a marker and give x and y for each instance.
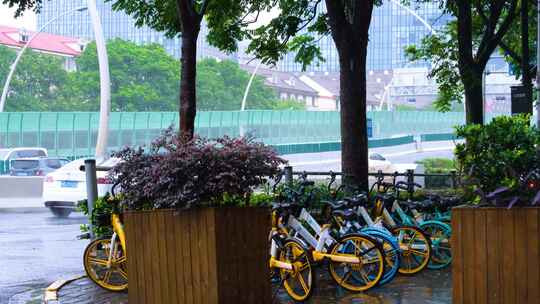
(63, 188)
(377, 163)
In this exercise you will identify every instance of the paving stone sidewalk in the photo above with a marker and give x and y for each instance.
(433, 287)
(83, 291)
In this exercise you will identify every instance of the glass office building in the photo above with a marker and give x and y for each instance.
(392, 28)
(115, 25)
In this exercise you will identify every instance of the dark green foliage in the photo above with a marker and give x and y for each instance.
(101, 215)
(144, 78)
(37, 82)
(497, 154)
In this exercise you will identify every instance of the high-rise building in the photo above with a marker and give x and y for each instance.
(115, 25)
(393, 27)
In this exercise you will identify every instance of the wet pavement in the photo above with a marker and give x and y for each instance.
(36, 249)
(430, 287)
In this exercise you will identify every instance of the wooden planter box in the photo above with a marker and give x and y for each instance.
(496, 255)
(207, 255)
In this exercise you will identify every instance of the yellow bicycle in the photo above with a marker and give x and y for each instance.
(105, 260)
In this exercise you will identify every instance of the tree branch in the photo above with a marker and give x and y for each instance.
(510, 52)
(337, 18)
(204, 7)
(495, 9)
(485, 51)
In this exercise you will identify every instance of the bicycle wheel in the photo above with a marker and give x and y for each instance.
(415, 249)
(298, 282)
(441, 251)
(391, 252)
(110, 276)
(357, 276)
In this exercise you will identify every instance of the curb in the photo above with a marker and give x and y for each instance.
(51, 293)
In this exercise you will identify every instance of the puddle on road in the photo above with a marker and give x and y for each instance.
(430, 286)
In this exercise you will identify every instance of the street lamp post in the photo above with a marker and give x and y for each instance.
(18, 58)
(104, 80)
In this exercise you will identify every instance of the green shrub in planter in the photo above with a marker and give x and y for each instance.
(101, 215)
(500, 162)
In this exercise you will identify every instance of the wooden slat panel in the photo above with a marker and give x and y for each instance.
(213, 295)
(181, 273)
(171, 256)
(203, 253)
(141, 284)
(493, 257)
(508, 254)
(469, 286)
(533, 259)
(133, 275)
(185, 218)
(223, 265)
(194, 236)
(146, 238)
(154, 251)
(457, 254)
(520, 245)
(243, 258)
(181, 252)
(480, 256)
(262, 250)
(162, 257)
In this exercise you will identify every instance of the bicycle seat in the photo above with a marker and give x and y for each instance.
(347, 215)
(387, 199)
(449, 202)
(421, 206)
(357, 201)
(337, 205)
(307, 183)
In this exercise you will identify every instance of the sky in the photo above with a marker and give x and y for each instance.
(28, 20)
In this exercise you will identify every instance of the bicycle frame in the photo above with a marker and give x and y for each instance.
(118, 232)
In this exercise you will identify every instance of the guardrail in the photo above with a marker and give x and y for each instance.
(409, 175)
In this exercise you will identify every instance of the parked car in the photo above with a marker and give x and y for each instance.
(6, 155)
(35, 166)
(377, 163)
(63, 188)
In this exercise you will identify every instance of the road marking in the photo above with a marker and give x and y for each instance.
(51, 293)
(337, 160)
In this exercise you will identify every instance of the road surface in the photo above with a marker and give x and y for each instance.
(37, 249)
(405, 154)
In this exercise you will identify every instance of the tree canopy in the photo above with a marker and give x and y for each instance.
(480, 28)
(36, 83)
(143, 78)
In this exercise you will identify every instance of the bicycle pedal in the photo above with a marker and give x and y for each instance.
(84, 236)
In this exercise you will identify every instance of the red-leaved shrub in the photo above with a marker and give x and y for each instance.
(177, 172)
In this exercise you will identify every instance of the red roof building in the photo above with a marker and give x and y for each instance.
(44, 42)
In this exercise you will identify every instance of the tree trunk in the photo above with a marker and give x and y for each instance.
(349, 24)
(526, 78)
(354, 141)
(471, 75)
(188, 93)
(474, 99)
